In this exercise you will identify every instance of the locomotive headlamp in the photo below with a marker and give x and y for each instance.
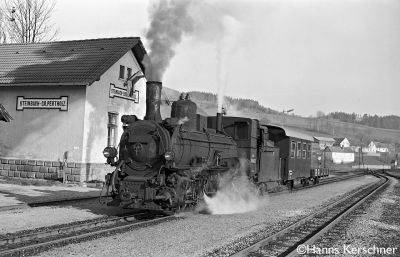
(110, 152)
(169, 155)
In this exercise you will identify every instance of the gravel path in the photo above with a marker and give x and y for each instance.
(377, 224)
(25, 219)
(11, 194)
(199, 234)
(13, 220)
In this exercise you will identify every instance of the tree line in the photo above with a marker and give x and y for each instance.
(386, 122)
(230, 102)
(26, 21)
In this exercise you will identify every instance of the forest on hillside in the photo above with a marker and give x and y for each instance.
(232, 103)
(349, 126)
(386, 122)
(251, 108)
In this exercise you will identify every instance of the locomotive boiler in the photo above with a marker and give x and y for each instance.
(168, 164)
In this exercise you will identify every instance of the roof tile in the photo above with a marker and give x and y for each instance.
(78, 61)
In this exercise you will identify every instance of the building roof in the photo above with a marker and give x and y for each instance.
(380, 145)
(336, 149)
(339, 139)
(4, 115)
(63, 62)
(292, 132)
(327, 139)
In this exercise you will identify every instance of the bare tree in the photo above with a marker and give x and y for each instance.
(2, 27)
(29, 21)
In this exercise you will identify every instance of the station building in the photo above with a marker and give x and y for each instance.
(66, 99)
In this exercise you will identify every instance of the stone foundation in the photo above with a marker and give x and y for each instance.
(54, 170)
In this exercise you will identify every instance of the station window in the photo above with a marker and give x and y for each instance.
(308, 151)
(121, 72)
(129, 73)
(112, 129)
(292, 149)
(298, 150)
(304, 150)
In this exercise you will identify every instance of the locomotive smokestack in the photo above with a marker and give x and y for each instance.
(219, 122)
(153, 100)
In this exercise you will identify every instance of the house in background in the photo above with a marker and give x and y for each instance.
(342, 142)
(381, 147)
(371, 148)
(339, 155)
(324, 142)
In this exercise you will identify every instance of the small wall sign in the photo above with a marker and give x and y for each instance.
(129, 93)
(42, 103)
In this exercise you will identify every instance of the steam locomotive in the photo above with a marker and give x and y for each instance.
(169, 164)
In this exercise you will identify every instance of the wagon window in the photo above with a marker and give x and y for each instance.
(299, 150)
(241, 130)
(308, 151)
(292, 149)
(304, 150)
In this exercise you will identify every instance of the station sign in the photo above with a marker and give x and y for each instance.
(126, 93)
(42, 103)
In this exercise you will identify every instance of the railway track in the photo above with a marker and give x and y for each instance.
(35, 241)
(397, 176)
(312, 227)
(83, 199)
(62, 201)
(328, 181)
(48, 203)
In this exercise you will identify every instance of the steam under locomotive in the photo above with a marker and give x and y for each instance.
(168, 164)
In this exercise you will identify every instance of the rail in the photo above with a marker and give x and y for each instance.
(308, 229)
(33, 242)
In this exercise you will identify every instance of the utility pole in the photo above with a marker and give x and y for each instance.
(283, 115)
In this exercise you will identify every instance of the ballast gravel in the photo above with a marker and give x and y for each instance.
(209, 235)
(16, 216)
(372, 230)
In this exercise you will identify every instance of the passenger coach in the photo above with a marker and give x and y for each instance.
(294, 154)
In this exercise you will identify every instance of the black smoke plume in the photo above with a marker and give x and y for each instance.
(170, 20)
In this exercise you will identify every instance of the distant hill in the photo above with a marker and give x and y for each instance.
(387, 122)
(356, 133)
(207, 104)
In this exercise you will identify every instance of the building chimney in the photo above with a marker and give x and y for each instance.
(219, 122)
(153, 100)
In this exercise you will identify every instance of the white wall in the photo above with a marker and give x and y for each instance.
(339, 157)
(345, 143)
(98, 104)
(42, 134)
(382, 149)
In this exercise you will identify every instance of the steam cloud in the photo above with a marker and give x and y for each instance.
(183, 120)
(226, 45)
(236, 194)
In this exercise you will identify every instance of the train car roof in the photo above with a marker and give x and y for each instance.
(291, 132)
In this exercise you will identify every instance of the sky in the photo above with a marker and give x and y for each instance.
(306, 55)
